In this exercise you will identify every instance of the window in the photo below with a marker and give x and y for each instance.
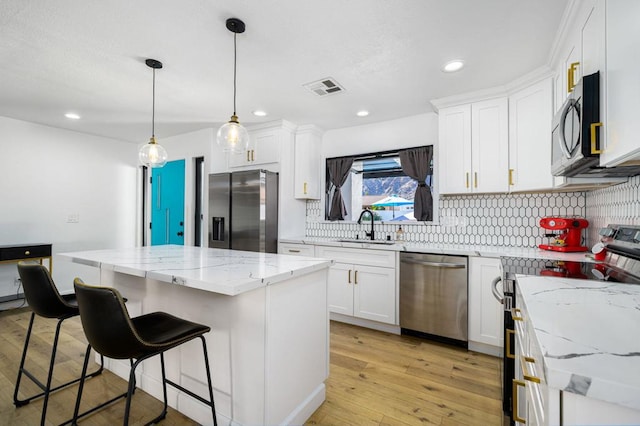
(378, 182)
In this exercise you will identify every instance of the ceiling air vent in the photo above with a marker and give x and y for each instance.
(326, 86)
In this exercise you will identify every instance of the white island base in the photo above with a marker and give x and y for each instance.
(268, 348)
(269, 341)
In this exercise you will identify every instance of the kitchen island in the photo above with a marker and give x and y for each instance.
(269, 340)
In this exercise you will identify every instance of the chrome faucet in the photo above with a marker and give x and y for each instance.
(368, 234)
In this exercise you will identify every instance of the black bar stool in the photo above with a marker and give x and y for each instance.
(113, 333)
(45, 301)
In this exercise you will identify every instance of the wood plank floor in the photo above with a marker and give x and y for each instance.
(375, 378)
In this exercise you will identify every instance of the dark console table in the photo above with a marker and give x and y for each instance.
(16, 253)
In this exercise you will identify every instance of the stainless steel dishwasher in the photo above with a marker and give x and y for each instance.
(433, 296)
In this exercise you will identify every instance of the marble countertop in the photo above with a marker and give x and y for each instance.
(454, 249)
(588, 332)
(229, 272)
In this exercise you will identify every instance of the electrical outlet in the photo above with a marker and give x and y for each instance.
(73, 218)
(17, 282)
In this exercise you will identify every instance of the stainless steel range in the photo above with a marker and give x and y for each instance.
(621, 264)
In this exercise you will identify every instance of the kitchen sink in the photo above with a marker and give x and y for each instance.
(367, 242)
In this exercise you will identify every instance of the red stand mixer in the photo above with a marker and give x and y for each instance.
(569, 235)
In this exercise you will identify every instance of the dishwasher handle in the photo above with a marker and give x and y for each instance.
(494, 289)
(435, 264)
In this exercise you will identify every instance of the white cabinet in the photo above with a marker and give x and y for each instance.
(473, 144)
(362, 283)
(485, 312)
(308, 163)
(530, 120)
(264, 147)
(296, 249)
(623, 84)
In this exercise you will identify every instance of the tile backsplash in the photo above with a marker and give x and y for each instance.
(500, 219)
(491, 219)
(618, 204)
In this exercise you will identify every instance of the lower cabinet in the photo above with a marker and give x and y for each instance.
(364, 289)
(485, 312)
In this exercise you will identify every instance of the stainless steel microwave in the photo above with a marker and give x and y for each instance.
(575, 137)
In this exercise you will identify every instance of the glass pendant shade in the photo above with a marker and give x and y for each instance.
(153, 155)
(233, 137)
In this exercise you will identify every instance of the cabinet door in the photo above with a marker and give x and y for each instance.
(490, 145)
(341, 282)
(485, 312)
(264, 147)
(530, 138)
(455, 149)
(623, 84)
(308, 164)
(374, 293)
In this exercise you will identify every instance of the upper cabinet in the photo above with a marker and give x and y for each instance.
(529, 138)
(264, 147)
(473, 144)
(308, 162)
(623, 84)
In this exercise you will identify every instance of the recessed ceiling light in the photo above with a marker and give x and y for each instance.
(453, 66)
(259, 113)
(72, 116)
(362, 113)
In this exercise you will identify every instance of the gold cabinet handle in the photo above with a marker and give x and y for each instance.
(571, 83)
(510, 177)
(475, 179)
(508, 343)
(524, 361)
(27, 253)
(349, 279)
(305, 188)
(253, 158)
(467, 180)
(294, 251)
(516, 314)
(356, 278)
(514, 401)
(594, 134)
(248, 153)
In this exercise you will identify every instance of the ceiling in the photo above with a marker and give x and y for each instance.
(87, 57)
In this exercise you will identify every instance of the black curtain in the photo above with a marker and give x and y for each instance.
(416, 163)
(338, 169)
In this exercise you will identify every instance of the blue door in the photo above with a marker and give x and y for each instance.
(167, 204)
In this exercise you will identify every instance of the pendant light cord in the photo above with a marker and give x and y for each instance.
(235, 60)
(153, 107)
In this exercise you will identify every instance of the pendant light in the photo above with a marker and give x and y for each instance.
(232, 136)
(153, 154)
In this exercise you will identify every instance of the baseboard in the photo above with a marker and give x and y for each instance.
(387, 328)
(486, 349)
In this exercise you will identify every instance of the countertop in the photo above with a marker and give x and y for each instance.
(589, 335)
(229, 272)
(453, 249)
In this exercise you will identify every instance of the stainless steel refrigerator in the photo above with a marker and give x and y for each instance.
(243, 211)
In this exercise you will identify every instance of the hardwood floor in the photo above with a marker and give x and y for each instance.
(383, 379)
(375, 378)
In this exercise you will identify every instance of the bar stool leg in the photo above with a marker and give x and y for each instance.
(206, 364)
(16, 401)
(47, 389)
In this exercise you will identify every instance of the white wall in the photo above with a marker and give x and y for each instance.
(417, 130)
(47, 174)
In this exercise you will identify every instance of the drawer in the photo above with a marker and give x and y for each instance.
(24, 251)
(383, 258)
(297, 249)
